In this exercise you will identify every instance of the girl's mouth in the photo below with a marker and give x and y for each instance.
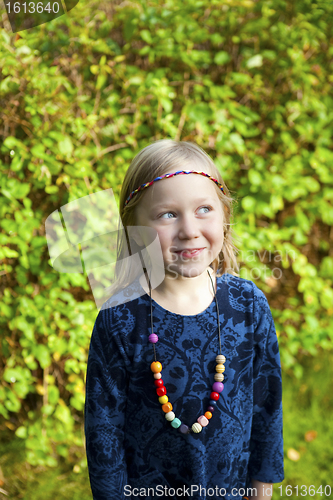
(188, 253)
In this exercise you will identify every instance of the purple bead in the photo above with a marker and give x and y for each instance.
(211, 409)
(153, 338)
(218, 387)
(184, 429)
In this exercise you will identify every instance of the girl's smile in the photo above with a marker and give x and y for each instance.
(189, 253)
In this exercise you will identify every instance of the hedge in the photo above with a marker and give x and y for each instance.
(249, 81)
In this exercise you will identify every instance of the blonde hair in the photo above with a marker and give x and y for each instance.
(154, 160)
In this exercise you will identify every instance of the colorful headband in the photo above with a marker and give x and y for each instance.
(166, 176)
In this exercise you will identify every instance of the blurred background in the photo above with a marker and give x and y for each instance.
(251, 82)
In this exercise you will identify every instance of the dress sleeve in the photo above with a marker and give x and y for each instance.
(104, 413)
(266, 443)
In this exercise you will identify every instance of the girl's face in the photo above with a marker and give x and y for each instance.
(188, 216)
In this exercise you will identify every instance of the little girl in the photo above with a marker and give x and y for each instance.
(183, 390)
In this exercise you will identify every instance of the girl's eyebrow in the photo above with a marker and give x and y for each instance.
(171, 203)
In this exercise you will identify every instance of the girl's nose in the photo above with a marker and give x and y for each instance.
(188, 228)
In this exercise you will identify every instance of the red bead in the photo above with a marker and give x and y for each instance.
(161, 391)
(159, 382)
(214, 396)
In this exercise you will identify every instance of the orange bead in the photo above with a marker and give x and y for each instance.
(208, 414)
(167, 407)
(156, 367)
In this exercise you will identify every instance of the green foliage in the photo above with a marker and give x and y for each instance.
(248, 81)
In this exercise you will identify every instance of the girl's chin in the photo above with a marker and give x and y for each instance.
(185, 272)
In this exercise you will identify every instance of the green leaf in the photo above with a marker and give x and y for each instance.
(42, 355)
(8, 252)
(255, 177)
(146, 36)
(66, 146)
(53, 393)
(255, 61)
(222, 58)
(249, 203)
(21, 432)
(200, 112)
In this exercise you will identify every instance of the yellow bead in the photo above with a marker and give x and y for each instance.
(220, 368)
(156, 367)
(220, 359)
(219, 377)
(163, 399)
(196, 428)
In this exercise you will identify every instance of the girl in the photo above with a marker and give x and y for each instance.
(183, 391)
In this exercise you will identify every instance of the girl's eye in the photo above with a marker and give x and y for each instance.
(206, 209)
(166, 215)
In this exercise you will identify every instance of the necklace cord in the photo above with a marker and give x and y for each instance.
(151, 313)
(217, 311)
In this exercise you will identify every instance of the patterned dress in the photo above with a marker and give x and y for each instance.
(132, 450)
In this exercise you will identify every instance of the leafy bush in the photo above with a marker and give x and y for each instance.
(248, 81)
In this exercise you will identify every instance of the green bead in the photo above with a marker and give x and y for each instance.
(176, 423)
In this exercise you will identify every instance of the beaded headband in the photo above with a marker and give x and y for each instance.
(167, 176)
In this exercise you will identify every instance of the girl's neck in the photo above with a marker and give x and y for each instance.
(186, 296)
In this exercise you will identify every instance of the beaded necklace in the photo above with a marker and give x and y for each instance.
(217, 387)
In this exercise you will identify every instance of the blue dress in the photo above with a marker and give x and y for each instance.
(132, 450)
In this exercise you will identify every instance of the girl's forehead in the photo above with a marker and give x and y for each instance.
(183, 187)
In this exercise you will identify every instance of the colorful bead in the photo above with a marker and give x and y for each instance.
(156, 367)
(167, 407)
(153, 338)
(218, 387)
(220, 359)
(196, 427)
(161, 391)
(176, 423)
(203, 421)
